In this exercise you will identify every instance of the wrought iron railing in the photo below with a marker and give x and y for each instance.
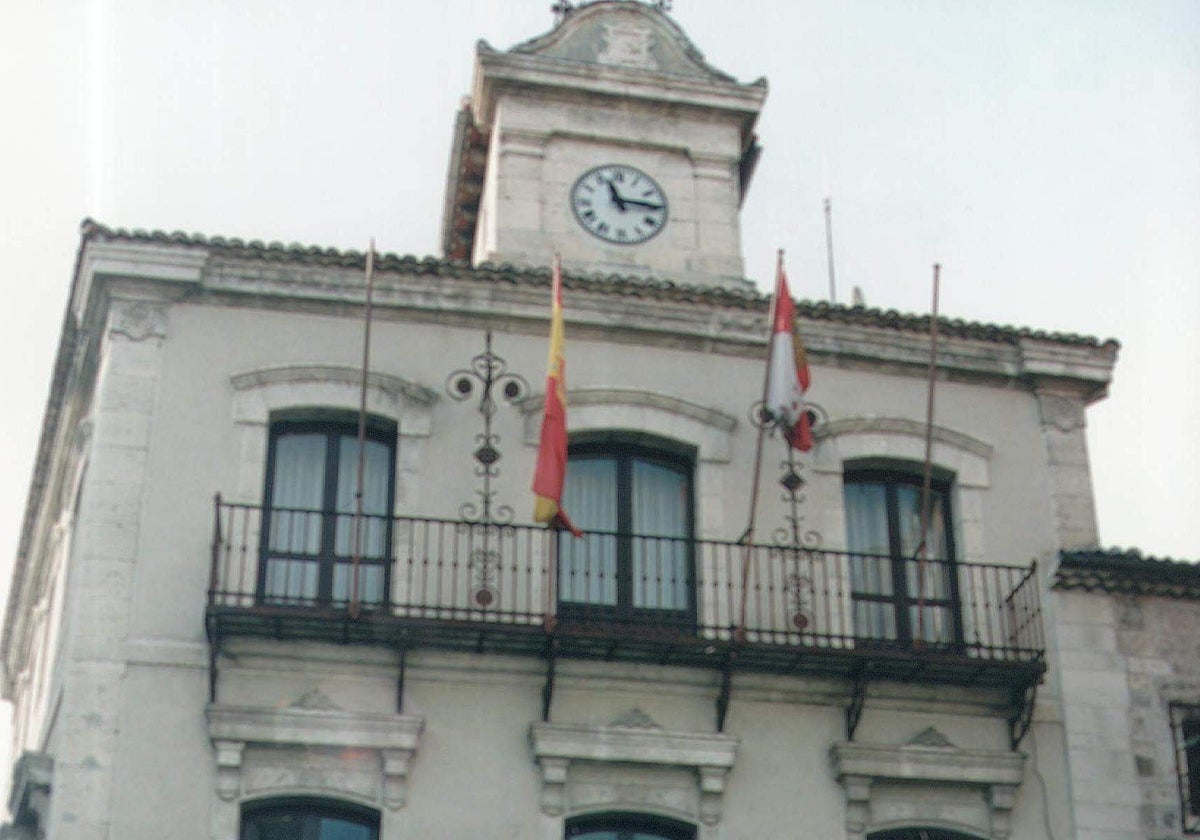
(452, 573)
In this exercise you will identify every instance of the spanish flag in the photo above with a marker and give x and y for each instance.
(551, 469)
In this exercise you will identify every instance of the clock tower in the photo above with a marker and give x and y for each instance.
(610, 140)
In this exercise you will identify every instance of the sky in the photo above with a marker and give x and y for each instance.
(1045, 152)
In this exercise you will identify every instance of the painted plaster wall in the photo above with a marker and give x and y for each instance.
(172, 427)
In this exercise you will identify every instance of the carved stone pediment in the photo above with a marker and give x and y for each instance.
(633, 739)
(236, 729)
(931, 760)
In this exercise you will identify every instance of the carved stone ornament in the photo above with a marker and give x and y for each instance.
(627, 45)
(139, 320)
(930, 737)
(315, 699)
(1066, 414)
(236, 729)
(635, 718)
(557, 746)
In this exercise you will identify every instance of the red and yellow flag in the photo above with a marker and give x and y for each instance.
(551, 469)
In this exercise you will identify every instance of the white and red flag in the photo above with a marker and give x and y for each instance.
(787, 372)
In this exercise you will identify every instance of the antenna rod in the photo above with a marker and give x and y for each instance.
(829, 248)
(927, 477)
(362, 434)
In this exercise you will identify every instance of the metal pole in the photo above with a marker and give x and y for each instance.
(927, 477)
(748, 536)
(829, 248)
(362, 435)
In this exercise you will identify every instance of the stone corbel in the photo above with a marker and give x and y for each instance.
(395, 777)
(554, 785)
(712, 793)
(1002, 799)
(858, 803)
(229, 768)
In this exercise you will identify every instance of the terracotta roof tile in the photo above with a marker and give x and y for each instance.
(612, 284)
(1127, 572)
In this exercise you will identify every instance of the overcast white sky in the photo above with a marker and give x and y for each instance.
(1046, 152)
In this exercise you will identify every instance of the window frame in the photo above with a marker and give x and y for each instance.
(623, 450)
(625, 824)
(333, 429)
(1185, 726)
(900, 599)
(310, 807)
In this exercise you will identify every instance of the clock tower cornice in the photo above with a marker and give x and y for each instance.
(498, 72)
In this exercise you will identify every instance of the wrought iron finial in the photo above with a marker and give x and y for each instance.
(792, 541)
(484, 521)
(561, 9)
(488, 374)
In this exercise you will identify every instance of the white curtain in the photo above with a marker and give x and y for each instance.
(870, 567)
(936, 624)
(376, 479)
(587, 567)
(298, 488)
(660, 499)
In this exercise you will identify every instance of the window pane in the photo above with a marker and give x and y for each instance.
(908, 503)
(870, 567)
(376, 481)
(291, 580)
(587, 567)
(660, 501)
(298, 825)
(298, 484)
(370, 582)
(334, 829)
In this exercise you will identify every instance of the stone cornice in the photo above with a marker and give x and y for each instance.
(911, 762)
(293, 374)
(314, 727)
(633, 745)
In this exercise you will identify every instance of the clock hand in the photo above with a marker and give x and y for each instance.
(616, 196)
(645, 204)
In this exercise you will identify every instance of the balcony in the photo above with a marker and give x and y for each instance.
(457, 585)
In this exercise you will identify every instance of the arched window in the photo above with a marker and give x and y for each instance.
(618, 826)
(635, 500)
(308, 537)
(308, 819)
(896, 598)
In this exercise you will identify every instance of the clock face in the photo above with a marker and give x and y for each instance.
(619, 204)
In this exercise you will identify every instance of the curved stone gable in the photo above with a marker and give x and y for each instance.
(623, 33)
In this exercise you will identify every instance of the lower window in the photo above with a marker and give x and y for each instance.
(617, 826)
(1185, 728)
(308, 819)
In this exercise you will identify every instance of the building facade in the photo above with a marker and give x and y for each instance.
(208, 637)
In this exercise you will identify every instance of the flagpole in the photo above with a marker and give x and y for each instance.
(748, 536)
(927, 476)
(362, 434)
(829, 248)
